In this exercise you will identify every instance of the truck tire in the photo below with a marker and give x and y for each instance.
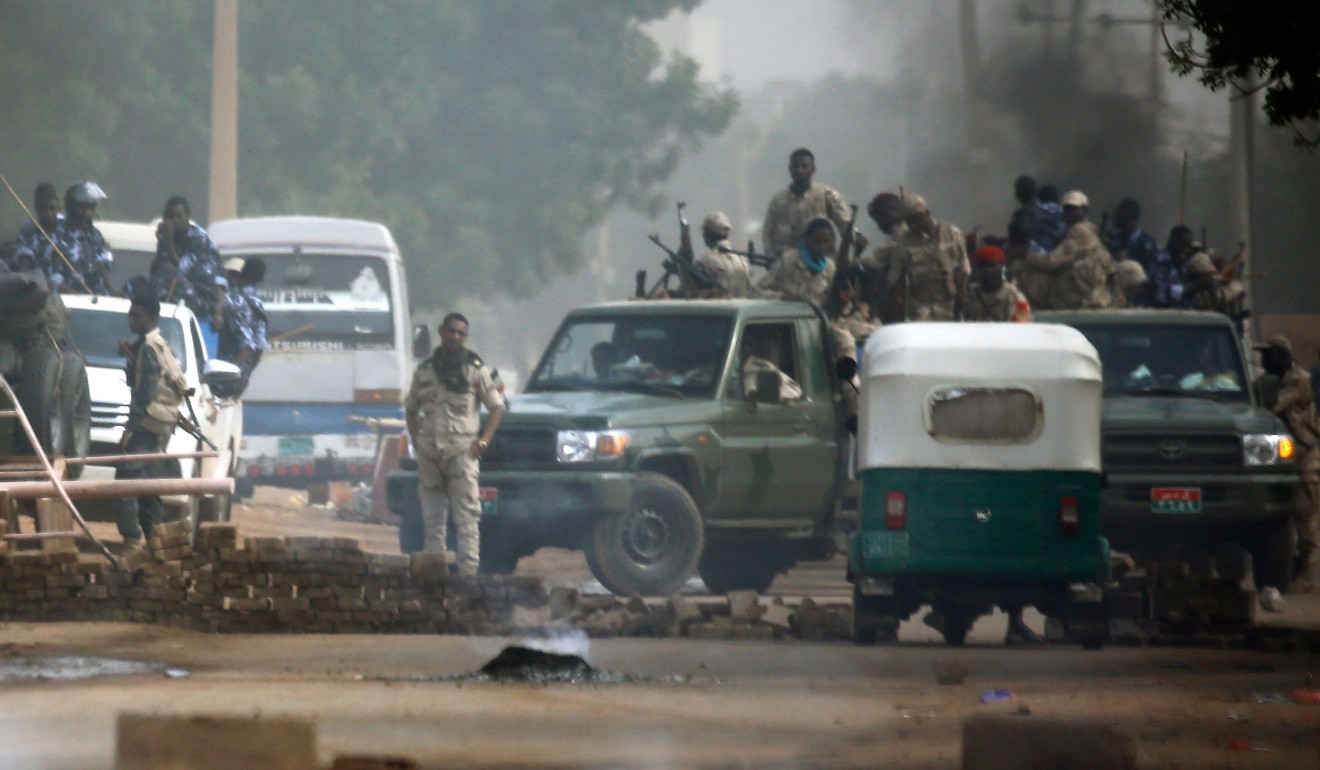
(1272, 553)
(38, 391)
(75, 410)
(738, 566)
(652, 548)
(956, 625)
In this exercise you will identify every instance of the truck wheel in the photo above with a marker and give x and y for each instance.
(956, 625)
(412, 537)
(38, 392)
(76, 411)
(875, 619)
(1272, 553)
(738, 566)
(652, 548)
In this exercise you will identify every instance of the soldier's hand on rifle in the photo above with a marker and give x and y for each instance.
(859, 244)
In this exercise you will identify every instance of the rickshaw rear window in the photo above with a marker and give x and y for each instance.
(990, 415)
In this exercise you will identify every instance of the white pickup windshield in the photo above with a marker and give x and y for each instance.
(97, 334)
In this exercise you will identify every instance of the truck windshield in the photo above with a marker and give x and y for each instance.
(676, 356)
(1169, 360)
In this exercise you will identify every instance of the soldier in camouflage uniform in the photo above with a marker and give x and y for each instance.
(1129, 282)
(804, 273)
(802, 201)
(927, 268)
(732, 271)
(1295, 405)
(1203, 290)
(442, 410)
(993, 297)
(1079, 269)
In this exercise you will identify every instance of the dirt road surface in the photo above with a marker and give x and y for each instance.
(683, 703)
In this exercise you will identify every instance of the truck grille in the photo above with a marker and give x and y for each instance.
(520, 448)
(1155, 452)
(108, 415)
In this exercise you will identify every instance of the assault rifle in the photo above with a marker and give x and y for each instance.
(846, 240)
(192, 426)
(692, 280)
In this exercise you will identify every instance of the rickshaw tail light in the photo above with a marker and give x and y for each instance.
(1069, 515)
(895, 510)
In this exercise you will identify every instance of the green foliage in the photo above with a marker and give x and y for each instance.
(1271, 42)
(490, 136)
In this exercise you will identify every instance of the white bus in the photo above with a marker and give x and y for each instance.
(339, 346)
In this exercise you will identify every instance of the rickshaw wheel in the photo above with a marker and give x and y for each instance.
(875, 619)
(652, 548)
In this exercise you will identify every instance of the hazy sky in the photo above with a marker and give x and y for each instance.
(767, 40)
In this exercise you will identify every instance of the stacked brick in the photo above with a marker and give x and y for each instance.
(269, 584)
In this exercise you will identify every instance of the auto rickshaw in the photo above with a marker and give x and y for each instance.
(979, 464)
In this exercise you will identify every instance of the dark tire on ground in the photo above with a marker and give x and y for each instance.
(652, 548)
(875, 619)
(412, 536)
(738, 566)
(499, 552)
(76, 411)
(1272, 553)
(38, 390)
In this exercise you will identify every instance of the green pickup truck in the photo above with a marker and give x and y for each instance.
(639, 441)
(1196, 469)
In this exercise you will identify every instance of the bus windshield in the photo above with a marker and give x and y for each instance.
(327, 301)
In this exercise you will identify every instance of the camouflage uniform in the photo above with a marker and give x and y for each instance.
(788, 214)
(1079, 269)
(1002, 305)
(790, 279)
(157, 388)
(33, 250)
(1295, 405)
(1204, 291)
(1129, 280)
(789, 390)
(733, 271)
(89, 255)
(446, 393)
(937, 269)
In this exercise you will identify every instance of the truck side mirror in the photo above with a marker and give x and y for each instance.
(767, 388)
(421, 341)
(846, 369)
(217, 372)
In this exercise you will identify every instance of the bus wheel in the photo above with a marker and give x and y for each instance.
(652, 548)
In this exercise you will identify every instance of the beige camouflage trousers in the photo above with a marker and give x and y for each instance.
(447, 486)
(1307, 523)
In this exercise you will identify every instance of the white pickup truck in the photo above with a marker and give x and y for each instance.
(96, 324)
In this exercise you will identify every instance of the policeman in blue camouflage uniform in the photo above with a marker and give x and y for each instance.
(32, 247)
(442, 409)
(253, 273)
(236, 340)
(1127, 241)
(82, 243)
(187, 269)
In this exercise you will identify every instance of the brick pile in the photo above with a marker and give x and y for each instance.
(266, 584)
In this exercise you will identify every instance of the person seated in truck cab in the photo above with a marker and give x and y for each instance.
(603, 356)
(1208, 371)
(762, 352)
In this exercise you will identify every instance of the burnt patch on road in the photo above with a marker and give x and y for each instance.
(64, 669)
(516, 663)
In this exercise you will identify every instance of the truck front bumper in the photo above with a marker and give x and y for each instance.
(1238, 502)
(541, 496)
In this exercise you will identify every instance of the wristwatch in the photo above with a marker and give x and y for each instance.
(481, 444)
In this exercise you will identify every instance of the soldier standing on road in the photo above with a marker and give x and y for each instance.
(442, 410)
(1079, 268)
(802, 201)
(732, 271)
(928, 268)
(32, 245)
(157, 387)
(993, 296)
(82, 243)
(1295, 405)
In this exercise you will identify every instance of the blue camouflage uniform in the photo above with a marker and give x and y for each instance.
(32, 250)
(1042, 223)
(236, 334)
(1167, 283)
(88, 253)
(194, 279)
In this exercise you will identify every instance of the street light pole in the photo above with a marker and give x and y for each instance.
(223, 187)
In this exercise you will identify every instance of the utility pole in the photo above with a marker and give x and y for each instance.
(978, 156)
(222, 194)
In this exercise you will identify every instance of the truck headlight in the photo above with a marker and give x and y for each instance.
(1267, 448)
(584, 446)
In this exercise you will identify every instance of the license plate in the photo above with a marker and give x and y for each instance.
(295, 446)
(1175, 500)
(885, 545)
(490, 499)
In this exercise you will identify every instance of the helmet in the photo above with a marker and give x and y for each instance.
(86, 192)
